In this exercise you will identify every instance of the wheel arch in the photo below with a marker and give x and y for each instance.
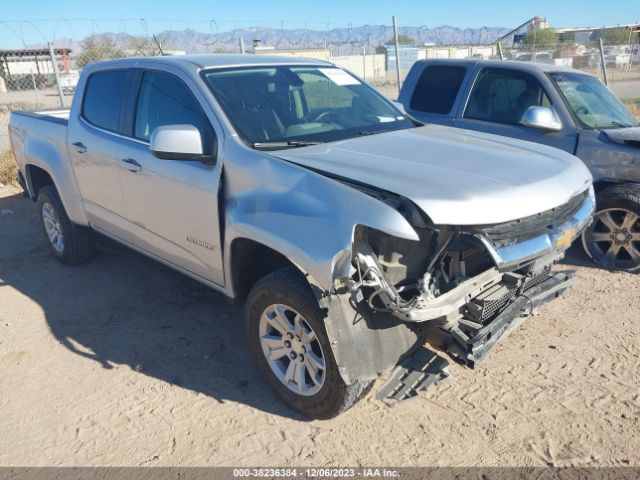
(249, 261)
(605, 183)
(37, 177)
(46, 164)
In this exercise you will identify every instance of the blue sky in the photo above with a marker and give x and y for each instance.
(123, 15)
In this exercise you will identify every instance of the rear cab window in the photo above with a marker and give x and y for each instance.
(102, 98)
(437, 89)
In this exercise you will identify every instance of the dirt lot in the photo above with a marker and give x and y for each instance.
(123, 362)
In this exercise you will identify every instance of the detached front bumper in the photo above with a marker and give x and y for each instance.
(470, 342)
(424, 368)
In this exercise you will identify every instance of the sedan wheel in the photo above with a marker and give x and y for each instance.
(613, 239)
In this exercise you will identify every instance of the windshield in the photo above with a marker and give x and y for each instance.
(290, 106)
(592, 103)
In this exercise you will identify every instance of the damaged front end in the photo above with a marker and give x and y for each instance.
(466, 286)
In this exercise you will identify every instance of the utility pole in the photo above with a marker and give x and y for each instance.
(364, 61)
(242, 45)
(395, 41)
(500, 51)
(604, 64)
(56, 73)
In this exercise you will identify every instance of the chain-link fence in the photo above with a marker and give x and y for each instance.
(45, 74)
(617, 64)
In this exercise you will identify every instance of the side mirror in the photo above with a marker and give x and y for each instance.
(544, 118)
(177, 142)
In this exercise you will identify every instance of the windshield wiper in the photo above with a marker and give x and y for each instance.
(280, 145)
(615, 123)
(372, 132)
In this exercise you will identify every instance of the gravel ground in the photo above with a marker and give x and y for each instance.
(121, 361)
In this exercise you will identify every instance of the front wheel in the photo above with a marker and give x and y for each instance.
(613, 238)
(288, 341)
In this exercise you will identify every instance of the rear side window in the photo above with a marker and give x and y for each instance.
(437, 89)
(103, 97)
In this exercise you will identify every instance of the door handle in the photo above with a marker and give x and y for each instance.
(79, 146)
(131, 165)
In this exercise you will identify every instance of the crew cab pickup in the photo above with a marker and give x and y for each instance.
(556, 106)
(354, 235)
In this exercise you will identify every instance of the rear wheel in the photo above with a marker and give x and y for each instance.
(288, 341)
(69, 243)
(613, 239)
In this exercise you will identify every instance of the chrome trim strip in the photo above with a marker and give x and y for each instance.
(505, 257)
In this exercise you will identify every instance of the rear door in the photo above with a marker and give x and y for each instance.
(499, 96)
(94, 150)
(172, 205)
(432, 94)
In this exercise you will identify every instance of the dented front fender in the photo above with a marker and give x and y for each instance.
(307, 217)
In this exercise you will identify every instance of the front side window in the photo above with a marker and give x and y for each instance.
(300, 104)
(591, 102)
(503, 96)
(103, 97)
(164, 100)
(437, 89)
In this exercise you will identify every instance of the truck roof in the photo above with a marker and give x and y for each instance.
(516, 65)
(216, 60)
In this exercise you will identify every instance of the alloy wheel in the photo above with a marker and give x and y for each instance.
(292, 350)
(52, 227)
(613, 239)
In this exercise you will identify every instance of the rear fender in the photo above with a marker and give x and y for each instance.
(43, 154)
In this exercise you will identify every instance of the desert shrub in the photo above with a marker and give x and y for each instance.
(8, 168)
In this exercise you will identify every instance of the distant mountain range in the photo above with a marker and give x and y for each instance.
(370, 36)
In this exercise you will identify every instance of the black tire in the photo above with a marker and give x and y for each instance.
(289, 287)
(78, 242)
(621, 203)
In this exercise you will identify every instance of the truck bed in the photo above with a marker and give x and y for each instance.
(39, 134)
(60, 116)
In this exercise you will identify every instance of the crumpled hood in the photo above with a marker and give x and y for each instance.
(457, 177)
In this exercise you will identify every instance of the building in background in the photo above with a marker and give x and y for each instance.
(369, 66)
(30, 68)
(458, 52)
(408, 55)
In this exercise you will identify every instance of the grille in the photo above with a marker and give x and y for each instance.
(509, 233)
(486, 306)
(493, 307)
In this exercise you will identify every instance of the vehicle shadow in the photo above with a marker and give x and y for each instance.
(122, 308)
(577, 257)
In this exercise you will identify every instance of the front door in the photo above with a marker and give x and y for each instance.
(172, 205)
(497, 102)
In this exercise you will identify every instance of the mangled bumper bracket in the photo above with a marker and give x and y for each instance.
(471, 350)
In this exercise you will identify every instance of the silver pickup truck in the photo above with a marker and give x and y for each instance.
(354, 235)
